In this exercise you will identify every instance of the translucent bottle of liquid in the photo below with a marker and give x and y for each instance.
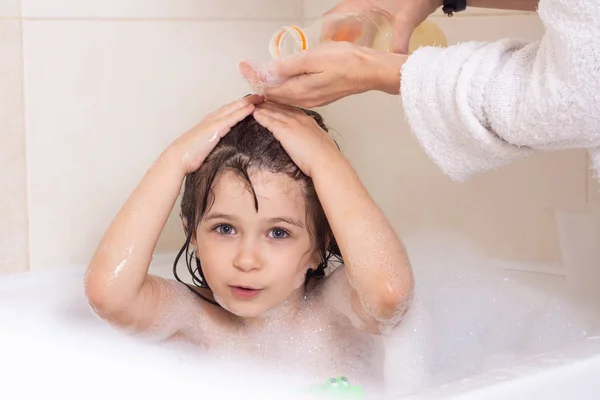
(373, 29)
(427, 34)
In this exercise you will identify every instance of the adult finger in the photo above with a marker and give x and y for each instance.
(277, 71)
(249, 72)
(298, 91)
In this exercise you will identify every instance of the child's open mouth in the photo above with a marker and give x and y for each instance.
(244, 292)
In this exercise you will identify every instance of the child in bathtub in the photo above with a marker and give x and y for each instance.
(268, 203)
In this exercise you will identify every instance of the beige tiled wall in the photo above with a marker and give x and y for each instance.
(163, 9)
(109, 83)
(9, 8)
(104, 98)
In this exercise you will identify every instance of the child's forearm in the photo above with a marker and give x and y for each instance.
(119, 267)
(376, 263)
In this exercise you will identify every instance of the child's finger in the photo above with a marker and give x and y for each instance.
(272, 113)
(280, 111)
(275, 125)
(284, 108)
(224, 124)
(237, 105)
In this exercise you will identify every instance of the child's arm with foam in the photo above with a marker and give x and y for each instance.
(118, 286)
(377, 267)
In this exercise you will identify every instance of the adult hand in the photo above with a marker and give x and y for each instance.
(408, 14)
(324, 74)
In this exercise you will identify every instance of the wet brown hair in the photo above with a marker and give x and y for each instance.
(250, 145)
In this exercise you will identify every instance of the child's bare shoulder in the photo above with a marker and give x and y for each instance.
(337, 295)
(335, 281)
(184, 314)
(331, 290)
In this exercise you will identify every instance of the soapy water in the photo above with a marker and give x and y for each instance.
(115, 274)
(466, 318)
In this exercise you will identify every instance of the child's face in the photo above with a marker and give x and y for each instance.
(254, 261)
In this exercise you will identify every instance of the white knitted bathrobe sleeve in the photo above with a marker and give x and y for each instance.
(481, 105)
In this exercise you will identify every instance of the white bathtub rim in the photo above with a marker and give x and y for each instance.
(551, 368)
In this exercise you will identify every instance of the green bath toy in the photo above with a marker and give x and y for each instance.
(335, 388)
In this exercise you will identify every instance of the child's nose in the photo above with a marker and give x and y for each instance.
(248, 257)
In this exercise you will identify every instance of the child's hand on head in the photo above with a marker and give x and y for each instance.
(194, 146)
(300, 135)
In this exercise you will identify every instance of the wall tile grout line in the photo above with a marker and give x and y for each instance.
(588, 178)
(146, 19)
(303, 16)
(25, 139)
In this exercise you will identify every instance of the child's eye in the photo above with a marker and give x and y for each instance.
(225, 229)
(278, 233)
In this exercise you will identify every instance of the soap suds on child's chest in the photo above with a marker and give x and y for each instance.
(317, 343)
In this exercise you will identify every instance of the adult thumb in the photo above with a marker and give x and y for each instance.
(401, 37)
